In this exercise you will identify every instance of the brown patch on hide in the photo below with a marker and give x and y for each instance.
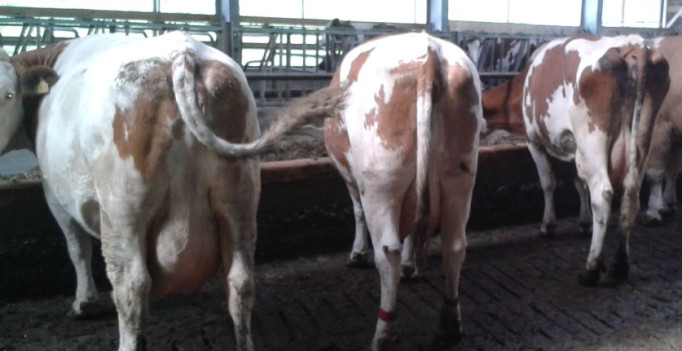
(544, 80)
(461, 96)
(223, 102)
(357, 65)
(141, 131)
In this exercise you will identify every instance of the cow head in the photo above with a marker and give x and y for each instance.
(21, 89)
(502, 106)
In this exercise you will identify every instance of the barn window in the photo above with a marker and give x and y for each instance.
(632, 13)
(128, 5)
(543, 12)
(388, 11)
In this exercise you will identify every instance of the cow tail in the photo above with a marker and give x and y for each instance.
(310, 109)
(633, 177)
(424, 115)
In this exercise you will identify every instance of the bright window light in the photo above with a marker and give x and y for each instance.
(396, 11)
(545, 12)
(631, 13)
(120, 5)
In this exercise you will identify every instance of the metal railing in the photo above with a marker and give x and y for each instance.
(281, 61)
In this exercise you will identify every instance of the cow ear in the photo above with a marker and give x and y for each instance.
(38, 80)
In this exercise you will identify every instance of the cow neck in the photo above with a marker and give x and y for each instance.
(46, 57)
(502, 106)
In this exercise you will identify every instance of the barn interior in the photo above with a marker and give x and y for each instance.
(303, 196)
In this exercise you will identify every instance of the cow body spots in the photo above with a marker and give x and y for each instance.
(388, 116)
(141, 132)
(168, 206)
(406, 143)
(542, 83)
(582, 100)
(357, 65)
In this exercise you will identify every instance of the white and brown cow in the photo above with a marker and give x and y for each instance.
(593, 100)
(666, 145)
(134, 142)
(406, 143)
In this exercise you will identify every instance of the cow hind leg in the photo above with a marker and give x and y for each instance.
(124, 251)
(87, 303)
(387, 261)
(630, 204)
(382, 218)
(652, 216)
(360, 255)
(670, 189)
(453, 248)
(238, 261)
(585, 214)
(79, 245)
(456, 202)
(548, 183)
(408, 262)
(601, 195)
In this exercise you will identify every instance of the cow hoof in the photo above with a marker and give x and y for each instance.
(408, 272)
(547, 229)
(384, 343)
(651, 220)
(619, 271)
(450, 326)
(667, 211)
(589, 278)
(361, 260)
(90, 309)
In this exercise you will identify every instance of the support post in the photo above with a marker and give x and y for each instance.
(662, 19)
(228, 13)
(437, 15)
(591, 21)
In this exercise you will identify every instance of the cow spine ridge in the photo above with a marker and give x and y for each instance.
(309, 109)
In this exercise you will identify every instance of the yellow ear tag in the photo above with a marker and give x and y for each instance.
(42, 87)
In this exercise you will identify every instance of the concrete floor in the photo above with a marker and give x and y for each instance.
(518, 292)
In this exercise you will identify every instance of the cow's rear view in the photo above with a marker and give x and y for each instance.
(595, 100)
(406, 143)
(128, 142)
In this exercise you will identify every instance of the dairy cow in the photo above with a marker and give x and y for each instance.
(593, 100)
(138, 140)
(666, 145)
(406, 143)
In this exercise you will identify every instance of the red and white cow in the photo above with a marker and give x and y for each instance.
(127, 156)
(406, 143)
(592, 100)
(666, 146)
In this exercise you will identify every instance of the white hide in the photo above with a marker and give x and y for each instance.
(383, 173)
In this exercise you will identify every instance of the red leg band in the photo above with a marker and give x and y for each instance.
(386, 316)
